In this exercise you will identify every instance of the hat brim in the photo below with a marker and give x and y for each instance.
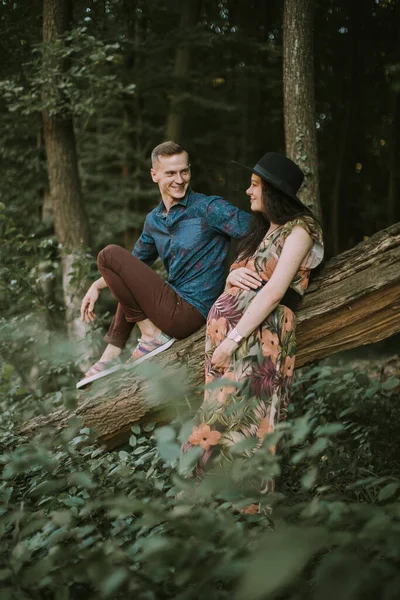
(270, 178)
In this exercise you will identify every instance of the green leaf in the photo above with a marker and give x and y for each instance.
(132, 440)
(301, 429)
(308, 480)
(51, 485)
(123, 506)
(165, 434)
(61, 518)
(329, 429)
(391, 383)
(149, 427)
(278, 560)
(318, 446)
(169, 451)
(188, 460)
(113, 582)
(389, 490)
(135, 428)
(139, 450)
(73, 501)
(81, 480)
(185, 431)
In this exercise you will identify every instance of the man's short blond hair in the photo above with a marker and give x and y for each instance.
(166, 149)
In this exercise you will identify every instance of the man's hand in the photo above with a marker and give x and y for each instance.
(222, 355)
(88, 302)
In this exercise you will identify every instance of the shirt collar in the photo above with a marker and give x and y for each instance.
(160, 208)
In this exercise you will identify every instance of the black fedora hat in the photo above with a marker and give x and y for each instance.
(280, 172)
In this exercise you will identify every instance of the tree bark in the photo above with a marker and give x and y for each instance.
(298, 97)
(355, 300)
(70, 221)
(174, 128)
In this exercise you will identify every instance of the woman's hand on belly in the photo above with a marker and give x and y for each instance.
(244, 278)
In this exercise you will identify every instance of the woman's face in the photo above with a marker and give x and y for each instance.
(255, 191)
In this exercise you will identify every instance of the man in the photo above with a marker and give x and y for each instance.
(190, 232)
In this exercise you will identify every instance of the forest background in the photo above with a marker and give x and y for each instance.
(125, 76)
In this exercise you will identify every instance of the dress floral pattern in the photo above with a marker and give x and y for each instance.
(254, 392)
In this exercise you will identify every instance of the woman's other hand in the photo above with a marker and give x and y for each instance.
(222, 355)
(244, 278)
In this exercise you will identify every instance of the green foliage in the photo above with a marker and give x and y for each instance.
(78, 521)
(84, 89)
(361, 415)
(36, 359)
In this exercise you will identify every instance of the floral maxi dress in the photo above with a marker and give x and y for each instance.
(261, 369)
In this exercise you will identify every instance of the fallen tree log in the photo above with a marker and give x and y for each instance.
(354, 300)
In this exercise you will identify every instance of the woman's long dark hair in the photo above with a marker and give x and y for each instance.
(278, 208)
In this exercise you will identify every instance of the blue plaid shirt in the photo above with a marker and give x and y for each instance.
(192, 240)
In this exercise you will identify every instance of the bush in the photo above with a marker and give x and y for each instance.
(78, 522)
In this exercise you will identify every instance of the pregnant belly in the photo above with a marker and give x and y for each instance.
(231, 305)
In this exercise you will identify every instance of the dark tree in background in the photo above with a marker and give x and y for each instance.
(70, 222)
(175, 120)
(299, 104)
(357, 73)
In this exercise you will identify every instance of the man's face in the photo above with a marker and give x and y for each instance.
(172, 173)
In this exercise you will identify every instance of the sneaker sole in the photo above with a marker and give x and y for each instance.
(84, 382)
(153, 352)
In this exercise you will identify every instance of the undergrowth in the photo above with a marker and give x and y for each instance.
(80, 522)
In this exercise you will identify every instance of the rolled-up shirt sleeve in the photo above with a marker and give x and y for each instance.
(225, 218)
(145, 248)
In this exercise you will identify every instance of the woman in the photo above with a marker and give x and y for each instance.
(251, 327)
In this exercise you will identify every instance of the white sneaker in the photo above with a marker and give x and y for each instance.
(147, 349)
(97, 372)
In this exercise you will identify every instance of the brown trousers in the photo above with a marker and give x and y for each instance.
(142, 294)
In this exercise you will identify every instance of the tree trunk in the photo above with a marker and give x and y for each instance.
(70, 222)
(354, 301)
(174, 128)
(298, 96)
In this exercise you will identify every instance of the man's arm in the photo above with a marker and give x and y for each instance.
(145, 248)
(90, 298)
(226, 218)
